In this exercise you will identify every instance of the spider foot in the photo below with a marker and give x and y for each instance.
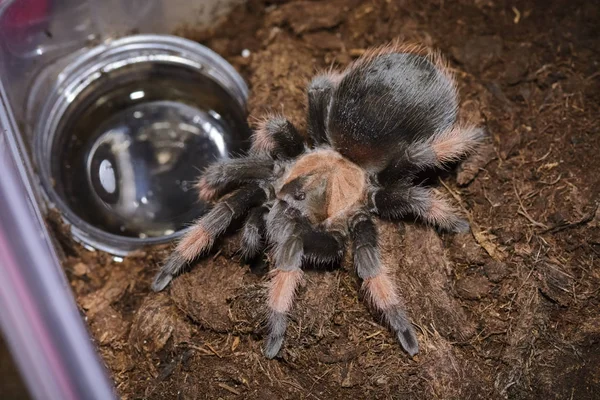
(274, 341)
(403, 329)
(167, 272)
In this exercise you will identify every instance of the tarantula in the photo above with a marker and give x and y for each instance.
(373, 128)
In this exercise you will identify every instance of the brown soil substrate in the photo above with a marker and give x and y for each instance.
(509, 311)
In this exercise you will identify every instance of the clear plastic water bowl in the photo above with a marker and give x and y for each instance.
(125, 130)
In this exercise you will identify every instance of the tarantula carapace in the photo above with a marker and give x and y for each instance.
(373, 128)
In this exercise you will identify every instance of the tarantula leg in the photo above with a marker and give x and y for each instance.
(377, 283)
(204, 232)
(320, 92)
(447, 147)
(427, 204)
(252, 233)
(442, 149)
(218, 177)
(282, 289)
(401, 171)
(284, 230)
(277, 137)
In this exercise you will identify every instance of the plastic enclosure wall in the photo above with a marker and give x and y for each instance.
(34, 34)
(38, 315)
(42, 325)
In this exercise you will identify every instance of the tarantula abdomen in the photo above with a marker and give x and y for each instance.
(403, 98)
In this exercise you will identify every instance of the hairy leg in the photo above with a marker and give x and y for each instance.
(285, 233)
(320, 92)
(437, 152)
(447, 147)
(403, 199)
(202, 235)
(379, 286)
(321, 245)
(277, 137)
(401, 171)
(220, 176)
(253, 233)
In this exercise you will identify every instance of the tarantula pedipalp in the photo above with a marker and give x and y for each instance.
(373, 128)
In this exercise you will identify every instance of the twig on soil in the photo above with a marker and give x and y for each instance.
(318, 379)
(372, 335)
(212, 349)
(293, 384)
(356, 52)
(228, 388)
(552, 266)
(554, 182)
(217, 254)
(485, 195)
(542, 158)
(235, 344)
(510, 303)
(480, 237)
(523, 211)
(517, 17)
(264, 370)
(200, 349)
(591, 245)
(426, 332)
(568, 225)
(495, 333)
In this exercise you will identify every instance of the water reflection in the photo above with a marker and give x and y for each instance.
(142, 162)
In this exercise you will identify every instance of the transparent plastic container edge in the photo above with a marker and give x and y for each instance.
(45, 332)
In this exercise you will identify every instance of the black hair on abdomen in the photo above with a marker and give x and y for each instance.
(384, 104)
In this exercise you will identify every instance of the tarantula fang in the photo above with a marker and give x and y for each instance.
(373, 128)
